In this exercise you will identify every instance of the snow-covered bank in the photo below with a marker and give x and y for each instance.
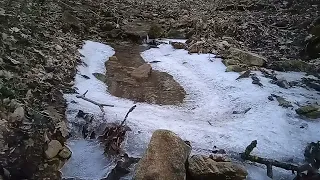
(212, 96)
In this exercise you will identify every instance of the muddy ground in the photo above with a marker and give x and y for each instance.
(40, 38)
(156, 87)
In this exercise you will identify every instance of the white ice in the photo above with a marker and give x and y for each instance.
(212, 96)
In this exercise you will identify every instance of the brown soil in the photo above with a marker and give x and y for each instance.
(158, 88)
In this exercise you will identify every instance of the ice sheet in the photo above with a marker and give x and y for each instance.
(212, 95)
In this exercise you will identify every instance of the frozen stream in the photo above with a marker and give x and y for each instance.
(212, 96)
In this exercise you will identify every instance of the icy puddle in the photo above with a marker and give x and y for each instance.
(205, 118)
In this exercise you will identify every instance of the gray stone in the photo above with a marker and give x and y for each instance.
(164, 159)
(205, 168)
(248, 58)
(54, 147)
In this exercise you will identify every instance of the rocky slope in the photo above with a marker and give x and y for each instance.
(38, 54)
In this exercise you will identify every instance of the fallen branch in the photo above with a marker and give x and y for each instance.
(268, 162)
(83, 96)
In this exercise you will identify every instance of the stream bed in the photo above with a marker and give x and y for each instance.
(206, 117)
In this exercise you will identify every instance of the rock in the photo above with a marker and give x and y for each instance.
(312, 83)
(256, 80)
(228, 62)
(113, 58)
(219, 158)
(107, 26)
(142, 72)
(313, 47)
(136, 30)
(176, 34)
(155, 31)
(54, 147)
(282, 102)
(65, 153)
(281, 83)
(310, 111)
(290, 65)
(244, 75)
(205, 168)
(165, 158)
(247, 57)
(235, 68)
(18, 114)
(100, 76)
(178, 45)
(270, 98)
(58, 47)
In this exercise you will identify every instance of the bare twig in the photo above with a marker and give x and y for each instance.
(83, 96)
(125, 118)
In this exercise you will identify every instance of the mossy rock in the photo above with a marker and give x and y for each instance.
(155, 31)
(235, 68)
(307, 109)
(310, 111)
(313, 115)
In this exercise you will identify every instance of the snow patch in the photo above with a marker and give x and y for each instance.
(212, 96)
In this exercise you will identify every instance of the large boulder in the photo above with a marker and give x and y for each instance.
(165, 158)
(205, 168)
(246, 57)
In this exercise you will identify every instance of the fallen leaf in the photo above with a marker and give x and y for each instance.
(14, 29)
(18, 114)
(2, 12)
(13, 61)
(62, 127)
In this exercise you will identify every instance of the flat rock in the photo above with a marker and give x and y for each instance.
(54, 147)
(142, 72)
(205, 168)
(165, 158)
(246, 57)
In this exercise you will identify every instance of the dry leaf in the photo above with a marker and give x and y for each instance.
(46, 139)
(18, 114)
(29, 143)
(13, 61)
(54, 114)
(62, 127)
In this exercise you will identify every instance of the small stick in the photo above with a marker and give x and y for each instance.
(83, 96)
(125, 118)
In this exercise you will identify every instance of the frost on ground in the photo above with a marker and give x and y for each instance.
(212, 96)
